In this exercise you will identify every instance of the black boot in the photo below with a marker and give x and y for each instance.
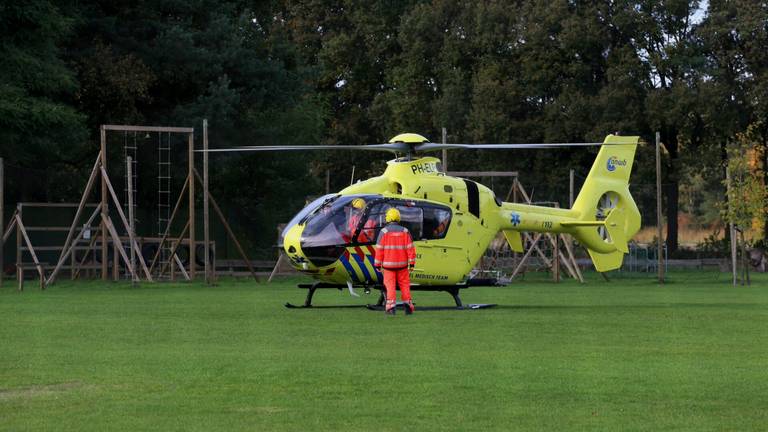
(408, 308)
(390, 311)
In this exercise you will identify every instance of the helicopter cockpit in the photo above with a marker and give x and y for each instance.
(332, 223)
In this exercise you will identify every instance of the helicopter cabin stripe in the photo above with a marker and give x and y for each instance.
(361, 263)
(379, 276)
(359, 252)
(348, 266)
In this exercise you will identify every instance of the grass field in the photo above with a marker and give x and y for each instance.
(630, 355)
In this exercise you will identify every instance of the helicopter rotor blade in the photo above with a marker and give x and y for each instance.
(438, 146)
(389, 147)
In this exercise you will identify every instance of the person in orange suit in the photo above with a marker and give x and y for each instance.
(356, 213)
(395, 257)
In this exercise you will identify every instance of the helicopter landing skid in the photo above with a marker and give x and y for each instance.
(452, 290)
(311, 288)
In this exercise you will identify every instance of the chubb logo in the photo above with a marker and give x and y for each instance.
(613, 162)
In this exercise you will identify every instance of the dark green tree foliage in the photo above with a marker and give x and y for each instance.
(346, 72)
(39, 126)
(176, 63)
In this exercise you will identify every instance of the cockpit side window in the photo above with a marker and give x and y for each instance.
(411, 217)
(436, 222)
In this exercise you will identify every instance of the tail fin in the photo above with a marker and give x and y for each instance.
(608, 216)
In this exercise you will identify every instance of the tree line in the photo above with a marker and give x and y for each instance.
(349, 72)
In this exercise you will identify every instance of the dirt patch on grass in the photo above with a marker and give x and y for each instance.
(39, 390)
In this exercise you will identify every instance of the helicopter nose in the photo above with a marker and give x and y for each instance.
(292, 247)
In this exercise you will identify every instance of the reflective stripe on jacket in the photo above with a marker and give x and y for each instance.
(394, 248)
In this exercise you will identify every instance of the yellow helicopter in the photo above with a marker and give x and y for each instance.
(452, 220)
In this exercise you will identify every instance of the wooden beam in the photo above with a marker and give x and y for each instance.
(229, 229)
(191, 157)
(527, 254)
(555, 258)
(181, 266)
(445, 151)
(19, 267)
(76, 272)
(170, 222)
(116, 241)
(131, 128)
(276, 268)
(731, 231)
(206, 227)
(173, 250)
(67, 250)
(9, 228)
(567, 243)
(57, 205)
(104, 204)
(124, 220)
(31, 250)
(87, 192)
(560, 257)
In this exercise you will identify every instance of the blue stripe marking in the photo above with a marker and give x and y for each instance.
(361, 263)
(379, 276)
(349, 268)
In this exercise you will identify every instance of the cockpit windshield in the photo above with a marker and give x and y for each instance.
(309, 208)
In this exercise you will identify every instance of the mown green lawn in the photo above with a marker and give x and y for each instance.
(627, 355)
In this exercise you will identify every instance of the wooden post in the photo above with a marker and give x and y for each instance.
(19, 268)
(72, 262)
(206, 227)
(731, 228)
(119, 246)
(445, 152)
(192, 271)
(104, 205)
(173, 270)
(115, 261)
(659, 222)
(124, 220)
(131, 221)
(513, 190)
(31, 250)
(556, 259)
(2, 219)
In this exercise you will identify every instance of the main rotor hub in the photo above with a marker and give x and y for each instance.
(409, 141)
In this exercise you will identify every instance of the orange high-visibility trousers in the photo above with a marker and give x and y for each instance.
(393, 279)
